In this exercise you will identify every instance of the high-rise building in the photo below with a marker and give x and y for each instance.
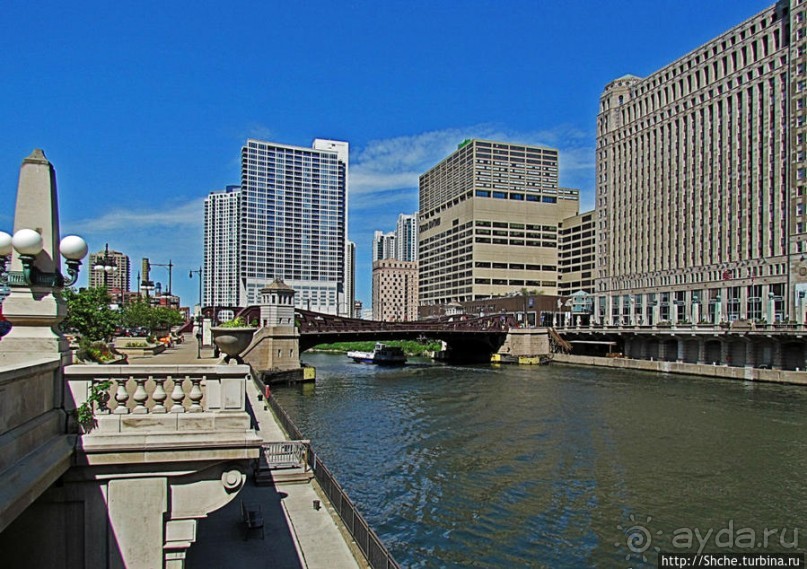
(488, 222)
(395, 290)
(221, 250)
(576, 243)
(406, 238)
(383, 245)
(350, 278)
(702, 181)
(111, 269)
(293, 222)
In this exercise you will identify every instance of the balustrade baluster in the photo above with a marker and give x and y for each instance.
(177, 396)
(140, 396)
(196, 395)
(122, 397)
(159, 396)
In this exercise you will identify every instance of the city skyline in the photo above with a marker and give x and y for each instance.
(75, 85)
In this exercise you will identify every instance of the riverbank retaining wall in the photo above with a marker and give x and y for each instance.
(722, 371)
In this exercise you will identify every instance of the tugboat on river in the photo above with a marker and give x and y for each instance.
(381, 355)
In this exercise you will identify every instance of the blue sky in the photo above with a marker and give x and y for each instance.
(143, 107)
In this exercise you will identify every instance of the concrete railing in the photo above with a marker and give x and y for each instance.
(150, 389)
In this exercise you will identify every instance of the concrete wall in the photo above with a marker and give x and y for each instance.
(274, 348)
(34, 447)
(722, 371)
(526, 342)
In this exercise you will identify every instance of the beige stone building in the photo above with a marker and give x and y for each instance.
(576, 242)
(395, 290)
(701, 176)
(488, 222)
(111, 269)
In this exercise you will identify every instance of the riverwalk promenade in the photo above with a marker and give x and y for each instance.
(296, 535)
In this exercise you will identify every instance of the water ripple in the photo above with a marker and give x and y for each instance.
(536, 467)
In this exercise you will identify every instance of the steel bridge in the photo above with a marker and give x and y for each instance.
(467, 338)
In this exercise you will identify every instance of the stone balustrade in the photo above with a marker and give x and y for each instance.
(156, 390)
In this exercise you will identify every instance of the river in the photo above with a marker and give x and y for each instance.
(558, 466)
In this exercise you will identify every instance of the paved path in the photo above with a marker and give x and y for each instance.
(295, 534)
(184, 353)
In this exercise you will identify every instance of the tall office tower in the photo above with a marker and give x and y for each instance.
(488, 222)
(395, 290)
(294, 222)
(701, 177)
(221, 250)
(576, 243)
(350, 278)
(110, 269)
(383, 245)
(406, 238)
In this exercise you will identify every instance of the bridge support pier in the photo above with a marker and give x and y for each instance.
(276, 345)
(526, 342)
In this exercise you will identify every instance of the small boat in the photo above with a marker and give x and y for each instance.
(381, 355)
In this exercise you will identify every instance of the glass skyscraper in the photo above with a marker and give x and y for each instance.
(222, 220)
(293, 222)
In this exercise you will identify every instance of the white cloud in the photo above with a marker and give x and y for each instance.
(168, 215)
(259, 131)
(396, 163)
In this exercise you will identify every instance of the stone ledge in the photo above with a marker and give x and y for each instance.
(80, 371)
(168, 423)
(26, 479)
(14, 372)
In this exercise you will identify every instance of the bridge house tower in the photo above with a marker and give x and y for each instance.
(276, 346)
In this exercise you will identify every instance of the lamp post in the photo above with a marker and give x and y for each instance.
(170, 266)
(28, 244)
(199, 320)
(106, 264)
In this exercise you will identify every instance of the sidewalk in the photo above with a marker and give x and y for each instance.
(184, 353)
(295, 534)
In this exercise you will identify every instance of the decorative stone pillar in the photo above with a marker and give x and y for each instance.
(681, 345)
(152, 520)
(701, 351)
(750, 354)
(724, 352)
(662, 349)
(35, 306)
(776, 361)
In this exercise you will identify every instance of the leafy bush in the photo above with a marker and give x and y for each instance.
(238, 322)
(98, 352)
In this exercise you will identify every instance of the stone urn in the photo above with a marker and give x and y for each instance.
(232, 341)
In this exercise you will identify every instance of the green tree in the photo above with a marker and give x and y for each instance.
(140, 314)
(88, 313)
(165, 318)
(136, 314)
